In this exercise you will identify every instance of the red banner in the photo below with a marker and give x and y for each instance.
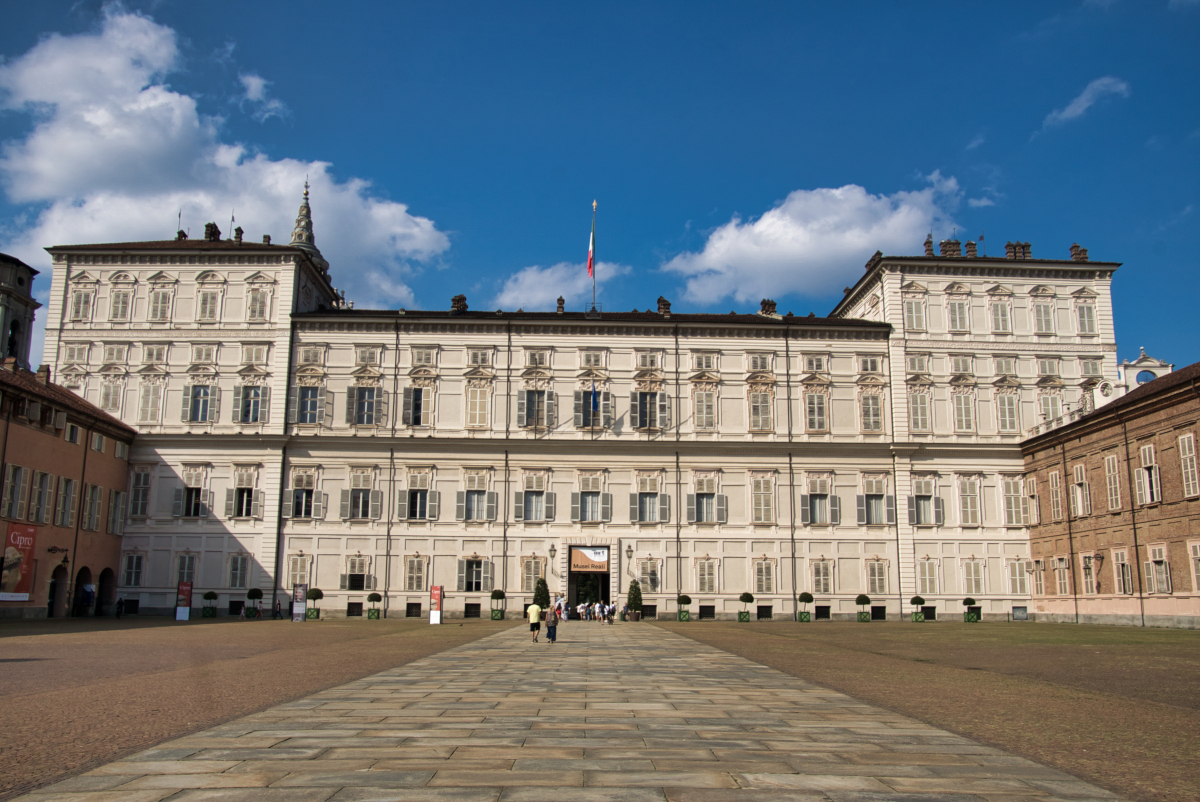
(183, 597)
(435, 598)
(16, 578)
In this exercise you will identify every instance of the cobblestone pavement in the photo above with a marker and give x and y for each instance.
(626, 713)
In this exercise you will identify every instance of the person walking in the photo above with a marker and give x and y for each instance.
(120, 608)
(278, 614)
(551, 625)
(534, 613)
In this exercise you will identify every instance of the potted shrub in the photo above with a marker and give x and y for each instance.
(862, 600)
(209, 610)
(634, 600)
(314, 612)
(683, 601)
(498, 605)
(373, 598)
(918, 615)
(255, 595)
(541, 594)
(744, 614)
(805, 616)
(973, 613)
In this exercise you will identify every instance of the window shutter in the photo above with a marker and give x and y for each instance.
(691, 508)
(22, 490)
(664, 508)
(551, 409)
(427, 406)
(351, 402)
(606, 507)
(633, 508)
(487, 576)
(462, 575)
(578, 408)
(402, 504)
(381, 408)
(634, 416)
(264, 404)
(376, 504)
(431, 505)
(664, 412)
(187, 403)
(237, 404)
(320, 504)
(344, 511)
(229, 496)
(324, 399)
(293, 404)
(722, 508)
(1167, 576)
(805, 510)
(835, 510)
(860, 509)
(519, 506)
(72, 509)
(288, 495)
(1149, 566)
(548, 505)
(574, 507)
(491, 500)
(256, 504)
(460, 505)
(912, 510)
(406, 403)
(522, 406)
(939, 511)
(342, 583)
(890, 501)
(177, 503)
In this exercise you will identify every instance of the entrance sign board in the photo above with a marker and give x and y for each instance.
(589, 559)
(16, 577)
(299, 602)
(435, 604)
(183, 601)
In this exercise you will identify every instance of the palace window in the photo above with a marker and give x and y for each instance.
(423, 357)
(968, 501)
(705, 415)
(1050, 406)
(256, 306)
(816, 412)
(760, 411)
(1122, 573)
(593, 408)
(1187, 463)
(814, 363)
(310, 405)
(477, 406)
(478, 357)
(139, 492)
(870, 406)
(877, 583)
(918, 411)
(647, 360)
(361, 501)
(705, 361)
(537, 409)
(759, 363)
(239, 571)
(706, 505)
(305, 498)
(868, 364)
(764, 576)
(927, 578)
(1091, 368)
(964, 412)
(592, 359)
(1158, 571)
(131, 576)
(820, 506)
(1085, 314)
(822, 577)
(1016, 577)
(875, 507)
(417, 406)
(1016, 503)
(64, 508)
(1043, 318)
(590, 505)
(1008, 413)
(160, 306)
(918, 363)
(1081, 492)
(414, 574)
(1006, 366)
(762, 491)
(925, 508)
(1147, 477)
(914, 314)
(534, 503)
(649, 410)
(207, 305)
(961, 364)
(475, 503)
(1089, 576)
(649, 506)
(119, 306)
(1055, 481)
(648, 575)
(81, 305)
(973, 577)
(1001, 321)
(1112, 481)
(958, 313)
(185, 568)
(706, 576)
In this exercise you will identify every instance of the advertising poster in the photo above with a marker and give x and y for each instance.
(435, 604)
(16, 578)
(183, 601)
(589, 560)
(299, 602)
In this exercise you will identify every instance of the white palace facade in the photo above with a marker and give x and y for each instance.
(285, 437)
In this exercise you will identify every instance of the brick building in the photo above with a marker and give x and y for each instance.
(1115, 497)
(63, 483)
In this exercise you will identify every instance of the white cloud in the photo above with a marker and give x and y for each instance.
(974, 143)
(256, 94)
(814, 242)
(114, 154)
(1093, 92)
(537, 288)
(976, 203)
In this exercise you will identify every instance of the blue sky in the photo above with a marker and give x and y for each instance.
(736, 150)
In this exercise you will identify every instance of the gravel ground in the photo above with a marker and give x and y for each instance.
(1117, 706)
(77, 693)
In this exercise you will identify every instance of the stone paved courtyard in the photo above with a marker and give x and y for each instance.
(621, 713)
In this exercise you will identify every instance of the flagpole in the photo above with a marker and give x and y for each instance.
(595, 264)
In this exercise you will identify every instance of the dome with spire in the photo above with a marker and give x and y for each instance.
(302, 233)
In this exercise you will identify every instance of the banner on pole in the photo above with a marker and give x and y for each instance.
(16, 578)
(435, 604)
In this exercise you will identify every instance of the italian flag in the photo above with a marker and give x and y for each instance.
(592, 250)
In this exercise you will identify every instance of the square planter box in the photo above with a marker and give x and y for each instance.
(743, 616)
(971, 618)
(635, 616)
(684, 615)
(918, 618)
(804, 617)
(208, 612)
(313, 613)
(497, 615)
(864, 618)
(373, 613)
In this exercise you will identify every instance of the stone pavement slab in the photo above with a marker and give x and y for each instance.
(625, 713)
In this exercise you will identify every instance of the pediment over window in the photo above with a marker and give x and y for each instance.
(648, 374)
(1006, 382)
(83, 278)
(366, 372)
(919, 380)
(122, 278)
(1042, 291)
(423, 372)
(479, 372)
(110, 370)
(999, 289)
(914, 286)
(202, 371)
(311, 371)
(162, 278)
(709, 377)
(957, 288)
(260, 277)
(871, 381)
(962, 380)
(1049, 381)
(816, 380)
(251, 371)
(760, 377)
(148, 371)
(1084, 292)
(210, 277)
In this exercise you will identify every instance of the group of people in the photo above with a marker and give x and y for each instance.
(559, 611)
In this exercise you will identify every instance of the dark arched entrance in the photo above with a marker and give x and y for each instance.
(85, 593)
(106, 591)
(56, 598)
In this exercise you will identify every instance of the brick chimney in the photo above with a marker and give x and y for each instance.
(237, 235)
(458, 304)
(266, 239)
(211, 232)
(971, 254)
(1078, 254)
(768, 307)
(43, 374)
(951, 247)
(664, 306)
(929, 245)
(561, 305)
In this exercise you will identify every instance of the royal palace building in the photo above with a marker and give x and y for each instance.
(287, 438)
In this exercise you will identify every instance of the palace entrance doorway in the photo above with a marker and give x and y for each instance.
(587, 576)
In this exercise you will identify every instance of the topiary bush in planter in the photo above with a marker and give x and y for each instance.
(541, 594)
(744, 615)
(973, 613)
(498, 597)
(805, 616)
(683, 601)
(314, 612)
(209, 610)
(373, 598)
(255, 595)
(918, 616)
(633, 600)
(862, 600)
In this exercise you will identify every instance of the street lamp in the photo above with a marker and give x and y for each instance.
(553, 551)
(629, 552)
